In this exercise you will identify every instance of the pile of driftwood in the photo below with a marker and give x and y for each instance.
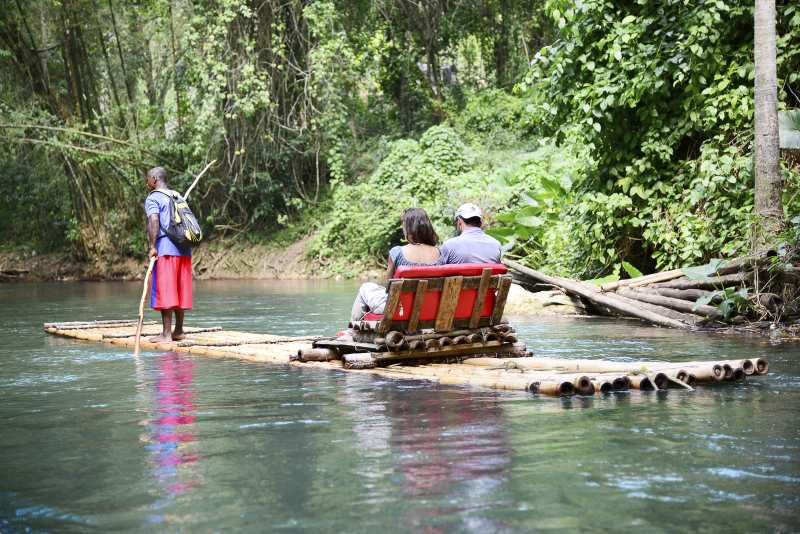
(670, 298)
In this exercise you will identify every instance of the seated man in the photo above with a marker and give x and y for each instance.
(472, 245)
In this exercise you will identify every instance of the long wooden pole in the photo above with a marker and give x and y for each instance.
(186, 194)
(141, 305)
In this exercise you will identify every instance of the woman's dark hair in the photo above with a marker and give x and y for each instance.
(418, 228)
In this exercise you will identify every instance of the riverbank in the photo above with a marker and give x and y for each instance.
(214, 260)
(234, 259)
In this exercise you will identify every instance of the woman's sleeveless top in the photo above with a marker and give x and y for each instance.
(396, 254)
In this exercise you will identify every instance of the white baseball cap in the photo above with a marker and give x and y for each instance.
(468, 211)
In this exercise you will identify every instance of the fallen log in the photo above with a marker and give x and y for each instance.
(642, 280)
(688, 318)
(675, 304)
(595, 296)
(714, 282)
(684, 294)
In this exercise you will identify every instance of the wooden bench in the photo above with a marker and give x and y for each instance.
(445, 312)
(442, 298)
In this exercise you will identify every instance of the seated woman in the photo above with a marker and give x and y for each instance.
(421, 250)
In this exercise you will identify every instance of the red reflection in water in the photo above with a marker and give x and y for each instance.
(171, 427)
(452, 451)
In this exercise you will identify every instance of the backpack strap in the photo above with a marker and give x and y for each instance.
(169, 193)
(173, 198)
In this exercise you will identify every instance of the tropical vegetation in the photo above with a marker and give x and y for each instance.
(595, 134)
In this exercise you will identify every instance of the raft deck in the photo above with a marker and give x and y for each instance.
(547, 376)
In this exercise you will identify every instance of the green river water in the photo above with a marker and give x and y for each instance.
(93, 440)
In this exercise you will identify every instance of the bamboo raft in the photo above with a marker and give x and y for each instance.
(489, 366)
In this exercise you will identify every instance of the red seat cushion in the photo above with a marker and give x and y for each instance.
(438, 271)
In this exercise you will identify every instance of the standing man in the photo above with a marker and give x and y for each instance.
(172, 276)
(472, 245)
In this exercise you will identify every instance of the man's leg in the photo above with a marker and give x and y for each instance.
(184, 285)
(178, 334)
(166, 297)
(166, 328)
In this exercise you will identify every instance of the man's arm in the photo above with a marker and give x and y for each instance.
(153, 225)
(444, 254)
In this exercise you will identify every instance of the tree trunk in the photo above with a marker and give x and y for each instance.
(768, 207)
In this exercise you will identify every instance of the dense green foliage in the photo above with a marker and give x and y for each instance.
(289, 97)
(595, 134)
(437, 173)
(661, 92)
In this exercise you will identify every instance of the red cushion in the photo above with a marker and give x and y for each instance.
(438, 271)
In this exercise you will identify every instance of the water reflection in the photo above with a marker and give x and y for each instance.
(455, 451)
(443, 445)
(171, 440)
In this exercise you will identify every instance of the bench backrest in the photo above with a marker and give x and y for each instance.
(445, 297)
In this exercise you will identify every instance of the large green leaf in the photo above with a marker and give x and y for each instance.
(603, 280)
(530, 220)
(703, 271)
(632, 271)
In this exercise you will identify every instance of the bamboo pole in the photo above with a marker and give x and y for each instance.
(141, 305)
(536, 383)
(594, 295)
(702, 370)
(197, 179)
(641, 382)
(675, 304)
(715, 282)
(641, 280)
(602, 386)
(582, 384)
(317, 355)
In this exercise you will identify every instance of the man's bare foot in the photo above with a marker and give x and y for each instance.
(159, 339)
(178, 335)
